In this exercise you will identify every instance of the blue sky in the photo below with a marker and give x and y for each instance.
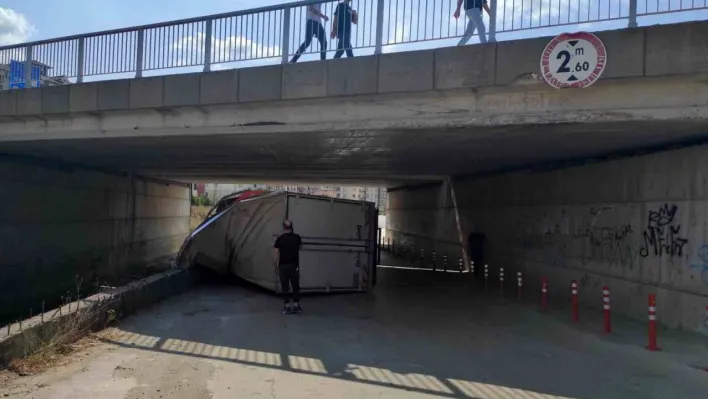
(67, 17)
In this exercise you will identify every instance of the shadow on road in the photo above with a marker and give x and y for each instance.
(419, 331)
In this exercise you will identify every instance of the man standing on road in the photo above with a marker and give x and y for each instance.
(287, 258)
(475, 244)
(344, 17)
(473, 11)
(313, 27)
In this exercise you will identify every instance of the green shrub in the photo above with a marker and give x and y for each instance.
(201, 200)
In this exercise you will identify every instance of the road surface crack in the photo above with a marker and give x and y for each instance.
(272, 388)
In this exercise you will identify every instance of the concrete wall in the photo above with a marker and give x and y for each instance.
(638, 225)
(57, 222)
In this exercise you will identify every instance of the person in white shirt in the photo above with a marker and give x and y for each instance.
(313, 27)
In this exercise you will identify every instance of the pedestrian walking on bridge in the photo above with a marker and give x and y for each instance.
(344, 17)
(473, 11)
(313, 27)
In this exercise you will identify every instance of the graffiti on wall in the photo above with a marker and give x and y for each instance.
(662, 237)
(702, 265)
(560, 240)
(603, 244)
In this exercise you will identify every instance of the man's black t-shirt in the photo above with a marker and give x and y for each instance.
(343, 13)
(476, 246)
(289, 246)
(469, 4)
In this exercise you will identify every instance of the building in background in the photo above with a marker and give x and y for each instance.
(12, 75)
(375, 194)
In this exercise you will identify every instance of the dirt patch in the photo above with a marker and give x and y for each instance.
(36, 386)
(6, 376)
(167, 378)
(57, 355)
(25, 378)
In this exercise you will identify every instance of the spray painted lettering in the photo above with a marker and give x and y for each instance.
(584, 244)
(661, 236)
(702, 266)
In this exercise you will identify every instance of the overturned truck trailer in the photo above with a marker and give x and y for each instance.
(339, 241)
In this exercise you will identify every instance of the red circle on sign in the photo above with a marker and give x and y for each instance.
(558, 82)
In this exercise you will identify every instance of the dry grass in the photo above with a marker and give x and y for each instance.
(55, 352)
(52, 344)
(197, 216)
(48, 357)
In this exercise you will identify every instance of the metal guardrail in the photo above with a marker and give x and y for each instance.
(278, 31)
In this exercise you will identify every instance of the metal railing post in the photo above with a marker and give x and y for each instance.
(28, 67)
(379, 26)
(632, 14)
(80, 61)
(286, 36)
(207, 47)
(139, 54)
(492, 21)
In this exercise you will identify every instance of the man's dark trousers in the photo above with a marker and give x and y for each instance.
(290, 276)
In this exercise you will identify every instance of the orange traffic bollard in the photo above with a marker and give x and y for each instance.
(606, 309)
(501, 280)
(519, 283)
(486, 277)
(574, 301)
(652, 345)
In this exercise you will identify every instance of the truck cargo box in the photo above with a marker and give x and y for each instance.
(339, 241)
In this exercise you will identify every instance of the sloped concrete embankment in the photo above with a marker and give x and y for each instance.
(24, 338)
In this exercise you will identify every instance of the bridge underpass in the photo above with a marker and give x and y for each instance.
(551, 178)
(413, 115)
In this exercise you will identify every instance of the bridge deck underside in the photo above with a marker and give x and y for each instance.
(383, 155)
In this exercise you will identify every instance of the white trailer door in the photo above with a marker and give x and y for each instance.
(336, 253)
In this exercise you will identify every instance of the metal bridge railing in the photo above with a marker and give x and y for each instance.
(276, 32)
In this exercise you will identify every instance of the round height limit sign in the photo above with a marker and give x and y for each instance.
(573, 60)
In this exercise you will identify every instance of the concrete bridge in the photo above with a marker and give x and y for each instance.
(96, 172)
(391, 117)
